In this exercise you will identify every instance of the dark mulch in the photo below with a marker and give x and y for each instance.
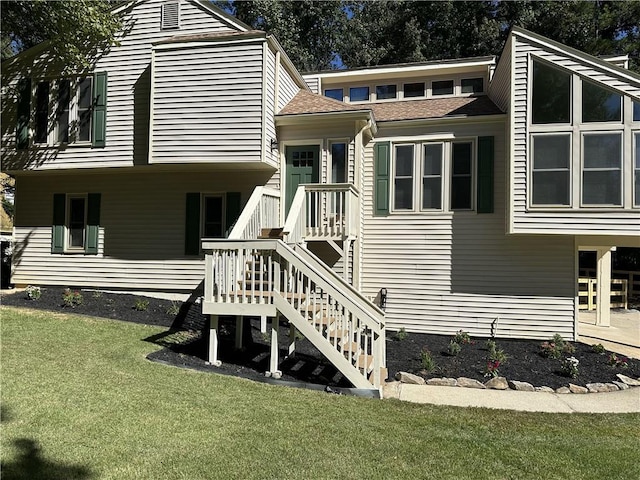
(185, 344)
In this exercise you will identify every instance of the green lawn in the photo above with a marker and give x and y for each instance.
(79, 400)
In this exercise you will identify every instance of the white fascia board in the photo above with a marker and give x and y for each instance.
(191, 43)
(579, 56)
(301, 118)
(499, 117)
(286, 61)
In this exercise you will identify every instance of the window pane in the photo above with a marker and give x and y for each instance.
(432, 176)
(76, 222)
(551, 151)
(444, 87)
(335, 93)
(404, 160)
(42, 112)
(461, 167)
(636, 111)
(461, 158)
(551, 188)
(84, 93)
(403, 178)
(358, 94)
(602, 151)
(62, 115)
(432, 192)
(637, 188)
(551, 95)
(384, 92)
(403, 194)
(338, 162)
(472, 85)
(213, 217)
(432, 159)
(599, 104)
(601, 187)
(414, 90)
(460, 192)
(637, 143)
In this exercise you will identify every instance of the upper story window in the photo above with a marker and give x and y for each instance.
(472, 85)
(403, 178)
(551, 170)
(432, 165)
(335, 93)
(600, 104)
(442, 87)
(42, 113)
(413, 90)
(386, 92)
(551, 99)
(170, 15)
(602, 169)
(338, 162)
(636, 170)
(358, 94)
(461, 176)
(636, 111)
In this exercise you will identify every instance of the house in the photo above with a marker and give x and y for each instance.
(434, 196)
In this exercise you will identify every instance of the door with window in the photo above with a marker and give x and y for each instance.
(303, 166)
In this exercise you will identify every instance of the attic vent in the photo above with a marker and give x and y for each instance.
(170, 15)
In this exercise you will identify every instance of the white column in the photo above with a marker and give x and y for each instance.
(603, 287)
(213, 341)
(273, 361)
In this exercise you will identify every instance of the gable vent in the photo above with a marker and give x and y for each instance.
(170, 15)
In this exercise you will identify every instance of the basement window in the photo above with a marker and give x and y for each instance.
(170, 16)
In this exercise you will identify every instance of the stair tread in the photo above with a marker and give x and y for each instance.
(266, 293)
(271, 233)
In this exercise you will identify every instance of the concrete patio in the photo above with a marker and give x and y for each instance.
(623, 336)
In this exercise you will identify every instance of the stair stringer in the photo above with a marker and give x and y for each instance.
(345, 367)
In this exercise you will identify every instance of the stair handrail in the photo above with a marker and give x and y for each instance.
(251, 210)
(319, 264)
(296, 221)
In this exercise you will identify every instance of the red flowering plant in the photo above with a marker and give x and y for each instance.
(618, 361)
(491, 370)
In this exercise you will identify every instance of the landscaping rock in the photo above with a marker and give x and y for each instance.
(632, 382)
(597, 387)
(443, 382)
(521, 386)
(410, 378)
(497, 383)
(391, 390)
(611, 387)
(621, 385)
(563, 390)
(469, 383)
(545, 389)
(577, 388)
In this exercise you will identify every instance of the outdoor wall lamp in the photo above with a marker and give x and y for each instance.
(274, 144)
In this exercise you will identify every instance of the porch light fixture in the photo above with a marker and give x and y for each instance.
(274, 144)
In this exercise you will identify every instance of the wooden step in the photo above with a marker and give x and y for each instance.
(384, 374)
(360, 362)
(271, 233)
(349, 347)
(267, 293)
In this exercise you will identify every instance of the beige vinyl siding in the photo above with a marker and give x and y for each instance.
(287, 87)
(313, 82)
(128, 91)
(449, 271)
(576, 220)
(271, 155)
(207, 103)
(500, 87)
(142, 225)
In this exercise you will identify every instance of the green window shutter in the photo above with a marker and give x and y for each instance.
(99, 109)
(192, 225)
(233, 211)
(57, 229)
(23, 111)
(93, 223)
(485, 175)
(382, 175)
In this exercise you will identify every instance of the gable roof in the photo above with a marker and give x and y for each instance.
(306, 102)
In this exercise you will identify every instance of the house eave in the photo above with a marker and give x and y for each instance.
(499, 117)
(306, 118)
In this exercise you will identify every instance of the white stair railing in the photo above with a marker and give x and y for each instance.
(261, 211)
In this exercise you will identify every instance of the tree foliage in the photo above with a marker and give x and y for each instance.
(77, 29)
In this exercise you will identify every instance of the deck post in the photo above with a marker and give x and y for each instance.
(263, 324)
(239, 329)
(603, 287)
(213, 341)
(273, 362)
(292, 340)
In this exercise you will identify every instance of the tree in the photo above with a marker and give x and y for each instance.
(76, 29)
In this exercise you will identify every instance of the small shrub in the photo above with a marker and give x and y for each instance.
(598, 348)
(556, 347)
(491, 369)
(401, 334)
(96, 294)
(569, 367)
(141, 305)
(462, 338)
(71, 298)
(618, 361)
(32, 292)
(174, 308)
(427, 361)
(454, 348)
(495, 353)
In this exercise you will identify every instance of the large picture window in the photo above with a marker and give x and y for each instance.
(599, 104)
(551, 169)
(551, 102)
(601, 171)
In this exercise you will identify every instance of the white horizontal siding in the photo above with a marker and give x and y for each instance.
(128, 91)
(142, 224)
(270, 108)
(449, 271)
(576, 221)
(207, 103)
(287, 87)
(313, 82)
(500, 87)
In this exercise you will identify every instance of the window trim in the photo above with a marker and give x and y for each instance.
(620, 169)
(68, 248)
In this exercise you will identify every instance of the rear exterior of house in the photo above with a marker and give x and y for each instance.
(451, 194)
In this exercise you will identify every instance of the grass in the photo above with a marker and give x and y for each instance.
(80, 401)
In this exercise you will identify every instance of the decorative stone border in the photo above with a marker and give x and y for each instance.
(501, 383)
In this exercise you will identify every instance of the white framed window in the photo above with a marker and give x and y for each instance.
(213, 221)
(432, 175)
(441, 87)
(462, 173)
(472, 85)
(636, 169)
(338, 151)
(76, 222)
(359, 94)
(412, 90)
(551, 170)
(602, 169)
(42, 102)
(386, 92)
(335, 93)
(403, 177)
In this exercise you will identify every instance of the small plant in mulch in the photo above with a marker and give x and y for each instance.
(491, 369)
(454, 348)
(569, 367)
(598, 348)
(400, 334)
(174, 308)
(494, 353)
(71, 298)
(556, 347)
(462, 338)
(616, 361)
(141, 305)
(96, 294)
(32, 292)
(427, 361)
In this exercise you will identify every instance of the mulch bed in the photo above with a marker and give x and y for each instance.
(185, 344)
